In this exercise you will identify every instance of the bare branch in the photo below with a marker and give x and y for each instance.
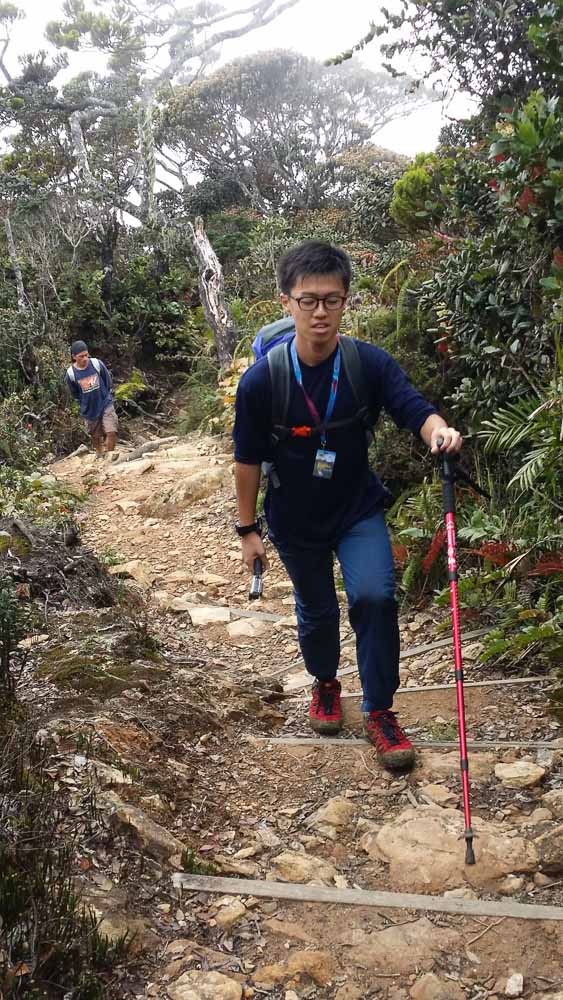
(20, 290)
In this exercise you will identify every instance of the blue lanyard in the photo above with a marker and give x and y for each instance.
(331, 399)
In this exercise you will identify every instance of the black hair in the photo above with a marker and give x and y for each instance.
(309, 258)
(77, 347)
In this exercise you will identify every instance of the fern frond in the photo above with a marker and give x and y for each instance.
(534, 464)
(509, 426)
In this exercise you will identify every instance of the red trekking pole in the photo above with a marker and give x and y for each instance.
(449, 472)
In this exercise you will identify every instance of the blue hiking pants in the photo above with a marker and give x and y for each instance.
(366, 561)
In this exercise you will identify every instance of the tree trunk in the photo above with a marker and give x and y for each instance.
(20, 290)
(212, 291)
(109, 243)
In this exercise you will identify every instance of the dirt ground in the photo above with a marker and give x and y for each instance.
(184, 732)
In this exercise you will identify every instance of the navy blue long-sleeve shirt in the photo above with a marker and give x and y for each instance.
(91, 389)
(306, 511)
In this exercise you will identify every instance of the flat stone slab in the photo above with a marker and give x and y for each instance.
(425, 852)
(208, 615)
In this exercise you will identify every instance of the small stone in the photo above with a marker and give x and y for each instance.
(211, 580)
(349, 992)
(137, 468)
(537, 816)
(510, 885)
(463, 892)
(179, 576)
(542, 880)
(337, 812)
(473, 651)
(520, 774)
(282, 587)
(151, 837)
(269, 906)
(248, 628)
(297, 866)
(266, 837)
(205, 986)
(438, 794)
(127, 506)
(432, 988)
(209, 615)
(443, 765)
(550, 850)
(514, 985)
(554, 801)
(137, 570)
(230, 914)
(316, 965)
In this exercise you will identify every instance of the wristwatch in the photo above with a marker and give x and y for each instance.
(248, 529)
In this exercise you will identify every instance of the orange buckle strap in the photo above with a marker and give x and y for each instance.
(301, 432)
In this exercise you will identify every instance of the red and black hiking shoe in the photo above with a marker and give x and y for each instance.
(325, 713)
(394, 749)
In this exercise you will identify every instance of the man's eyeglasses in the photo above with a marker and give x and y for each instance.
(308, 303)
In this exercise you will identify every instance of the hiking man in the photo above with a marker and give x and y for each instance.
(90, 383)
(322, 498)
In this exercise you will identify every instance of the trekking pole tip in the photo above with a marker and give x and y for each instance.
(469, 852)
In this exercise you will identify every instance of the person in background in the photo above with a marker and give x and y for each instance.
(90, 384)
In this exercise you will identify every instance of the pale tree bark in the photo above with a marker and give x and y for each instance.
(20, 290)
(212, 292)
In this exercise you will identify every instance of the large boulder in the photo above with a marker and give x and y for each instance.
(426, 854)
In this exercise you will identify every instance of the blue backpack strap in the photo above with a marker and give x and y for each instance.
(280, 378)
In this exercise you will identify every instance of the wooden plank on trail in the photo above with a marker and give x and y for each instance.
(366, 897)
(452, 687)
(354, 742)
(405, 654)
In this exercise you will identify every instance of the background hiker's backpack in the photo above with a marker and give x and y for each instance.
(70, 370)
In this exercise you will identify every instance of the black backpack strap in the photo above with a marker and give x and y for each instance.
(280, 378)
(352, 365)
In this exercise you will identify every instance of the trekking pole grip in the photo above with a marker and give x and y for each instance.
(448, 479)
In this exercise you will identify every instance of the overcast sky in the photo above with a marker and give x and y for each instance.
(315, 28)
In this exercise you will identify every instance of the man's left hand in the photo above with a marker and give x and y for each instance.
(452, 440)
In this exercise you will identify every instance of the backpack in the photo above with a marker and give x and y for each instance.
(70, 370)
(272, 335)
(271, 342)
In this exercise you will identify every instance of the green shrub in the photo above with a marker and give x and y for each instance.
(200, 398)
(46, 936)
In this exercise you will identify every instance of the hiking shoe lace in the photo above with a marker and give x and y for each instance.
(394, 749)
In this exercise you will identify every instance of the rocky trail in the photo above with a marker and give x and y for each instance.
(198, 749)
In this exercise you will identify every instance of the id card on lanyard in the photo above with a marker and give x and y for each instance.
(324, 460)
